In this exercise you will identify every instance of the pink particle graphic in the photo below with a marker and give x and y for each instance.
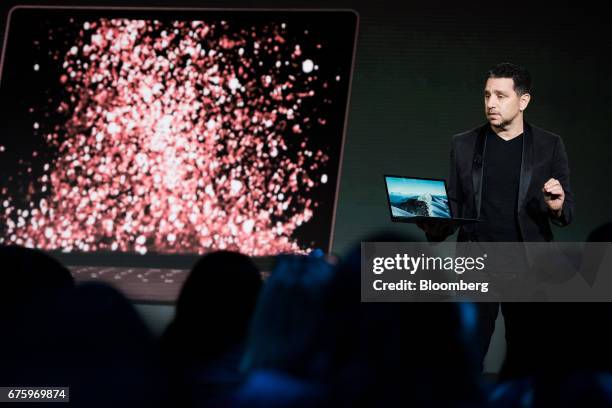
(177, 140)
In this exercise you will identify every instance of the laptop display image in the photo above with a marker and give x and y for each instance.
(130, 136)
(415, 197)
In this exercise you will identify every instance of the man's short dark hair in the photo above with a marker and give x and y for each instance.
(520, 76)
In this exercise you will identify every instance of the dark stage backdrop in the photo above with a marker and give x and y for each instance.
(418, 80)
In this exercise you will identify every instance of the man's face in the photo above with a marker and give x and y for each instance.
(502, 104)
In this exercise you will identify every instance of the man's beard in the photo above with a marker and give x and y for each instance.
(504, 124)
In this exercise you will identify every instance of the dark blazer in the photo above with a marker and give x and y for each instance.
(543, 157)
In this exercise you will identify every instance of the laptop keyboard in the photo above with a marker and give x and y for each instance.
(144, 275)
(155, 285)
(140, 284)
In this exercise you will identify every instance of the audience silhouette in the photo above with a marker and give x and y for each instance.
(203, 345)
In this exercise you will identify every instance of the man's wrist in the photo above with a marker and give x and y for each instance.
(556, 213)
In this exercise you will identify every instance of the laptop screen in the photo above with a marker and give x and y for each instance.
(146, 132)
(416, 197)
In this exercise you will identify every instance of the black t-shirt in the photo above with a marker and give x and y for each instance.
(500, 184)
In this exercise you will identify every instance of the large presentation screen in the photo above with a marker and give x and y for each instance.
(172, 131)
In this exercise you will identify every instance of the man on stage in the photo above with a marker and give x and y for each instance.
(514, 178)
